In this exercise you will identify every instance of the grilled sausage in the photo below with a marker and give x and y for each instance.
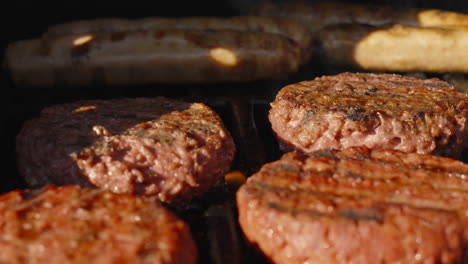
(152, 56)
(286, 27)
(317, 14)
(396, 48)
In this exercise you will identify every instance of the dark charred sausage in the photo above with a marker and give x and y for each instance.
(286, 27)
(152, 56)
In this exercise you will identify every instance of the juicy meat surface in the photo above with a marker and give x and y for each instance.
(70, 224)
(372, 110)
(358, 206)
(153, 146)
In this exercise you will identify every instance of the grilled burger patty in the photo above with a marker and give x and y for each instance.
(70, 224)
(153, 146)
(358, 206)
(372, 110)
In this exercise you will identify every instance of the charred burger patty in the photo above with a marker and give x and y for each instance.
(371, 110)
(153, 146)
(358, 206)
(70, 224)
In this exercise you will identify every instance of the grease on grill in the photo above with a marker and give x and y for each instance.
(235, 178)
(224, 56)
(82, 40)
(81, 47)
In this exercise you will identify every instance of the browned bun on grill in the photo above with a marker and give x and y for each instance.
(395, 48)
(372, 110)
(152, 146)
(358, 206)
(69, 224)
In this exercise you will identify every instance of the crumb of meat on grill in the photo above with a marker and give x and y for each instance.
(158, 146)
(358, 206)
(427, 116)
(70, 224)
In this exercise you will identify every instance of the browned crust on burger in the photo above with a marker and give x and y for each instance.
(153, 146)
(358, 206)
(70, 224)
(372, 110)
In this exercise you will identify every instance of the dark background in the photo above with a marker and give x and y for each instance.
(23, 19)
(29, 17)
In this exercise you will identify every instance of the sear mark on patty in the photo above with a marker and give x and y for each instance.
(356, 114)
(367, 214)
